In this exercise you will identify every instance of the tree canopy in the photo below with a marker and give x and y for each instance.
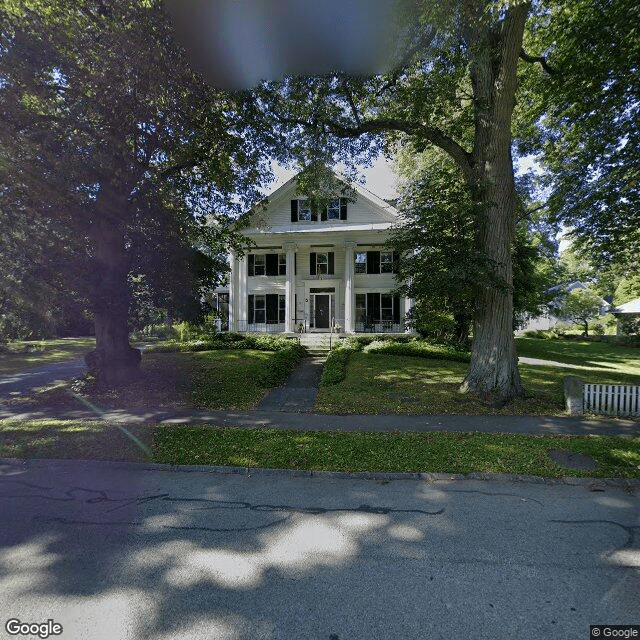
(582, 115)
(109, 135)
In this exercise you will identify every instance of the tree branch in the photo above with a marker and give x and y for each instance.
(433, 135)
(541, 59)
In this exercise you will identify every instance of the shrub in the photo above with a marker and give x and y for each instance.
(335, 368)
(419, 349)
(281, 364)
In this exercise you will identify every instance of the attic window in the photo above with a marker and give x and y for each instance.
(301, 211)
(304, 210)
(333, 210)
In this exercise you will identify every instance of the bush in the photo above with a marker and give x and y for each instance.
(281, 364)
(335, 368)
(419, 349)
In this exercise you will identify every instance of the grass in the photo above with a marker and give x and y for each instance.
(328, 451)
(201, 380)
(18, 356)
(378, 383)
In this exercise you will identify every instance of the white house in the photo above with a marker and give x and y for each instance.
(317, 272)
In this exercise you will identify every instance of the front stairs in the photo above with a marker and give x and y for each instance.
(319, 344)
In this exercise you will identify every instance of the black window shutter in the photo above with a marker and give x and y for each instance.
(272, 308)
(332, 263)
(396, 309)
(272, 264)
(295, 264)
(250, 318)
(343, 208)
(294, 211)
(312, 263)
(373, 306)
(251, 269)
(323, 214)
(373, 262)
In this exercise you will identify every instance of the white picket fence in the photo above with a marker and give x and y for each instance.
(612, 399)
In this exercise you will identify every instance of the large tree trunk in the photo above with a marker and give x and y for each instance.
(114, 361)
(493, 373)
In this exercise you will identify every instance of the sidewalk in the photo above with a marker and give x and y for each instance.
(279, 419)
(289, 407)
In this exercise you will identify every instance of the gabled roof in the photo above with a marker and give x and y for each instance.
(633, 306)
(387, 209)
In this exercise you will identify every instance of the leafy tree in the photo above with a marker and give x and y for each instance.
(108, 133)
(583, 119)
(628, 289)
(441, 265)
(579, 306)
(453, 88)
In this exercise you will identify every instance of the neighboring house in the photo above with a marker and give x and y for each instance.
(629, 311)
(547, 320)
(320, 272)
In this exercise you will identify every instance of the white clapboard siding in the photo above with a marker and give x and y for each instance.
(612, 399)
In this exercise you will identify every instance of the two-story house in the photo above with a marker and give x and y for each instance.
(317, 271)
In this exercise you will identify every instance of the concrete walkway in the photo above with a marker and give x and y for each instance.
(298, 393)
(282, 409)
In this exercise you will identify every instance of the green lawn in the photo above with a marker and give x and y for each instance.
(330, 451)
(189, 380)
(19, 356)
(381, 383)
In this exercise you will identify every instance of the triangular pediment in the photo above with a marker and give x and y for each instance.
(275, 213)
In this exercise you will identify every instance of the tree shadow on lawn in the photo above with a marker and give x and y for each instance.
(591, 355)
(202, 380)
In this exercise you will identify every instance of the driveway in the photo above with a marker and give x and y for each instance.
(17, 383)
(122, 551)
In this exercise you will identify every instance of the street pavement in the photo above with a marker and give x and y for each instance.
(120, 551)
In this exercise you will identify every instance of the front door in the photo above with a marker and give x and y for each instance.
(321, 308)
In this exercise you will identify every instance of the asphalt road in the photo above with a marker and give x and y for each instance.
(114, 551)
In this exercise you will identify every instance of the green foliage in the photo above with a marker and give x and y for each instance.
(394, 452)
(286, 355)
(281, 364)
(628, 289)
(335, 368)
(580, 306)
(120, 158)
(418, 349)
(583, 119)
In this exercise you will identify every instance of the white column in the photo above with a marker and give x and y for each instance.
(233, 297)
(243, 303)
(349, 295)
(290, 288)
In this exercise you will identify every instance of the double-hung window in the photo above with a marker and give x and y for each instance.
(386, 262)
(267, 264)
(259, 265)
(304, 210)
(333, 210)
(361, 262)
(260, 308)
(267, 308)
(321, 263)
(374, 262)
